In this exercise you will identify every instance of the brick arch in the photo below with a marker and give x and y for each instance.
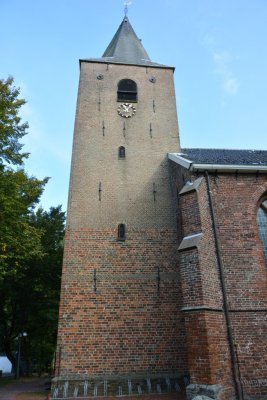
(256, 199)
(257, 196)
(262, 198)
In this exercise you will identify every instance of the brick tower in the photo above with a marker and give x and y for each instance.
(120, 330)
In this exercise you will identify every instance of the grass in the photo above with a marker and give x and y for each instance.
(6, 380)
(24, 395)
(32, 396)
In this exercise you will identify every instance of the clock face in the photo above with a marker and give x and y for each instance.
(126, 110)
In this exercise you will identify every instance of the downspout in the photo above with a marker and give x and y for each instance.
(235, 369)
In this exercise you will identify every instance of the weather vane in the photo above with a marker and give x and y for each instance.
(126, 5)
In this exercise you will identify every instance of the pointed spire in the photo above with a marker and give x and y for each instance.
(125, 46)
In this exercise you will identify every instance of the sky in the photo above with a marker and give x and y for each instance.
(218, 49)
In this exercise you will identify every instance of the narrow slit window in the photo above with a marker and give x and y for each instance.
(262, 226)
(121, 152)
(121, 232)
(127, 91)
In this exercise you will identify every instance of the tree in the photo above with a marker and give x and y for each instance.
(11, 128)
(19, 240)
(30, 296)
(30, 242)
(46, 279)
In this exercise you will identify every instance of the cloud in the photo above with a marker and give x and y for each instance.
(222, 61)
(231, 85)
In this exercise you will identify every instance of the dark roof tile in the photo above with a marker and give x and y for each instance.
(225, 157)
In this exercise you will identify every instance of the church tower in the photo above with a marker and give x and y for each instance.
(120, 297)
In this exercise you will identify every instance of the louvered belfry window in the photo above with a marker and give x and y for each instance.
(262, 225)
(127, 91)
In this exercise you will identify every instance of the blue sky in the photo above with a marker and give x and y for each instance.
(219, 49)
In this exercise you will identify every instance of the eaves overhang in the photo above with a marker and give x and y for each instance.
(109, 60)
(229, 168)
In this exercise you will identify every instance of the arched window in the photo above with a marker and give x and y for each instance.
(262, 225)
(127, 90)
(121, 232)
(121, 152)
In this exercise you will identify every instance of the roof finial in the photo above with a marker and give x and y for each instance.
(126, 4)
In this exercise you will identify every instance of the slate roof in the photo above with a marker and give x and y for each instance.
(126, 45)
(225, 157)
(126, 48)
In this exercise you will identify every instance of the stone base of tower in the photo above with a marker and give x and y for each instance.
(210, 391)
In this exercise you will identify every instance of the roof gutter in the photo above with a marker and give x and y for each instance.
(230, 168)
(180, 160)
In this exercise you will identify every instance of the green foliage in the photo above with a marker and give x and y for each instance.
(31, 247)
(11, 128)
(19, 240)
(46, 278)
(30, 298)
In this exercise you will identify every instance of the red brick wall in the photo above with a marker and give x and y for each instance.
(190, 215)
(207, 347)
(235, 200)
(129, 325)
(250, 330)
